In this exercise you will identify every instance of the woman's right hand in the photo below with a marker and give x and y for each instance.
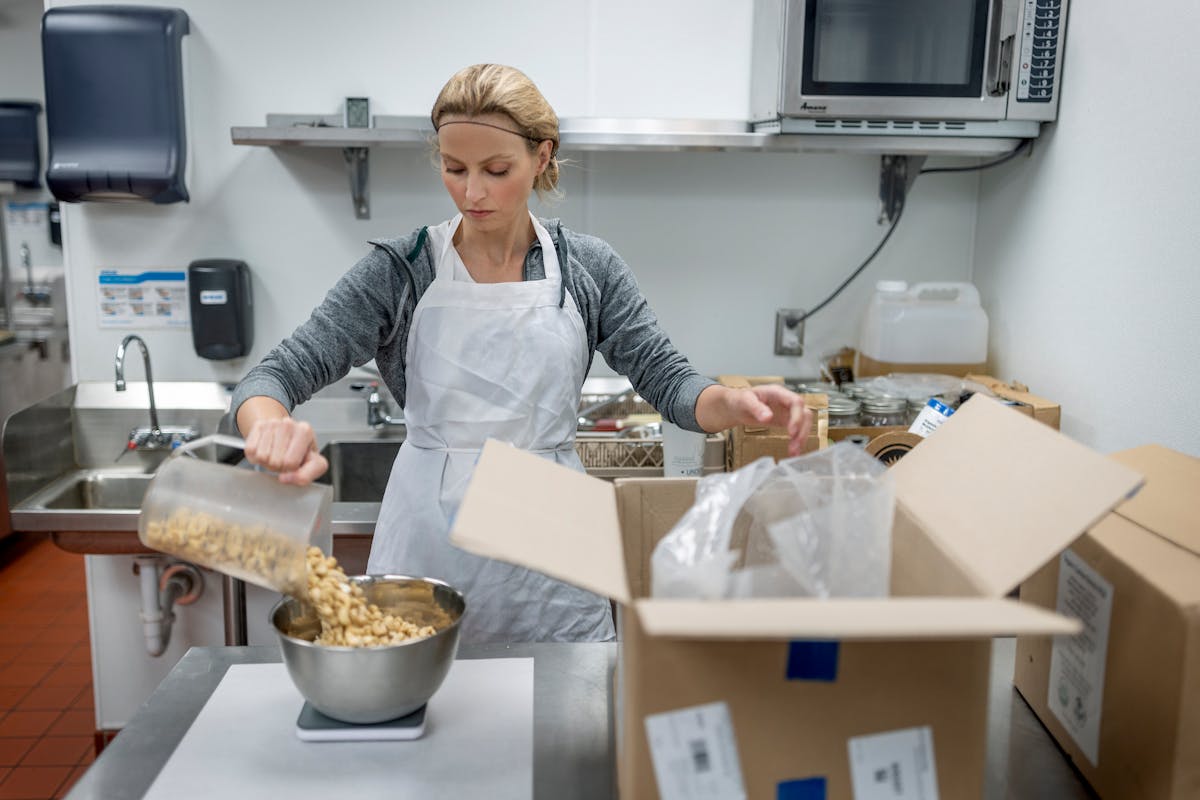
(287, 447)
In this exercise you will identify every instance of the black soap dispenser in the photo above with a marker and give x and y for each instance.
(221, 308)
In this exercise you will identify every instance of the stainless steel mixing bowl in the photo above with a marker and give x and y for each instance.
(373, 684)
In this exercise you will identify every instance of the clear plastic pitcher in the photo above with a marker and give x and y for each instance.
(237, 521)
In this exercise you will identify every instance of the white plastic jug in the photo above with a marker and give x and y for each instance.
(925, 323)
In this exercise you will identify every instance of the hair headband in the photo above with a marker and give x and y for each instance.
(533, 139)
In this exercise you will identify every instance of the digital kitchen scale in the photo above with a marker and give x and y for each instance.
(313, 726)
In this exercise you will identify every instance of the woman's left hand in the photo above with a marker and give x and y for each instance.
(769, 405)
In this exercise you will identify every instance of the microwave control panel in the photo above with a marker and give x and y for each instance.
(1039, 51)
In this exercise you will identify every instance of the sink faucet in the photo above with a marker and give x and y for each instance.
(154, 437)
(32, 293)
(120, 369)
(378, 413)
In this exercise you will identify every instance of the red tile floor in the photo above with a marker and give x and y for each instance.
(47, 722)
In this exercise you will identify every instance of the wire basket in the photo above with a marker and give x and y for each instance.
(620, 453)
(624, 408)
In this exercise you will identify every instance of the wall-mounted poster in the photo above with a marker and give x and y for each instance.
(142, 297)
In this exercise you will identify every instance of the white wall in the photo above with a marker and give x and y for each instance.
(718, 241)
(26, 376)
(1087, 253)
(20, 50)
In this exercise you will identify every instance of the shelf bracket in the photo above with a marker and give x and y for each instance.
(358, 164)
(896, 177)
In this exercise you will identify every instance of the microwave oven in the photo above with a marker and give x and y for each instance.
(907, 67)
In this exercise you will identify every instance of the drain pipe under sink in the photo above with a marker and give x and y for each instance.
(163, 586)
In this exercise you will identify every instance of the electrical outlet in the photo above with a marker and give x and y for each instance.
(789, 332)
(357, 112)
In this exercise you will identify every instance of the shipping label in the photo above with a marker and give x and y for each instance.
(1076, 691)
(695, 754)
(895, 765)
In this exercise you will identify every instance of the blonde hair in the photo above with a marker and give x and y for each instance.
(496, 89)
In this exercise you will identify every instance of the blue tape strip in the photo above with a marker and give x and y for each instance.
(116, 278)
(812, 661)
(803, 789)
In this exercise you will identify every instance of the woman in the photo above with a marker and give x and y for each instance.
(485, 327)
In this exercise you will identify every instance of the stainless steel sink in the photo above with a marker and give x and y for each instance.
(61, 475)
(60, 455)
(359, 471)
(100, 490)
(93, 490)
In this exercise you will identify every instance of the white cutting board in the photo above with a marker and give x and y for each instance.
(478, 743)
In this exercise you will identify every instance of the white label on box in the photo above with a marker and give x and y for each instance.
(213, 297)
(1077, 662)
(695, 754)
(897, 765)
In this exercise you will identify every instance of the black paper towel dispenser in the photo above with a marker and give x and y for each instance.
(115, 118)
(221, 307)
(20, 156)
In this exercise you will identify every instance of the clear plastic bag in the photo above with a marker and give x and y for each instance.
(815, 526)
(923, 385)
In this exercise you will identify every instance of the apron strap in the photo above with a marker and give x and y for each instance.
(538, 228)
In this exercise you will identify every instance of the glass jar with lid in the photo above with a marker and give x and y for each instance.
(843, 411)
(855, 391)
(883, 410)
(915, 404)
(817, 387)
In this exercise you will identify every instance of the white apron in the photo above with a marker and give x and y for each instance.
(486, 360)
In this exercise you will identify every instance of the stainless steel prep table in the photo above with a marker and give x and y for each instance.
(573, 725)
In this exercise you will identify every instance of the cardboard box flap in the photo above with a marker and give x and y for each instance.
(1169, 505)
(532, 512)
(1002, 494)
(894, 618)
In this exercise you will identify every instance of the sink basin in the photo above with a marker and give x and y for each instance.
(359, 471)
(97, 490)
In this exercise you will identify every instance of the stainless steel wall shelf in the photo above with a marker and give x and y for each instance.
(605, 134)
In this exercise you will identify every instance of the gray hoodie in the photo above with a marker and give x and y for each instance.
(368, 312)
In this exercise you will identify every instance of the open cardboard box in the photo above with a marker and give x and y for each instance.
(1045, 411)
(1124, 701)
(778, 697)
